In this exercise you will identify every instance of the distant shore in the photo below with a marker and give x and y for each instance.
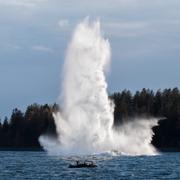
(41, 149)
(169, 150)
(21, 149)
(22, 130)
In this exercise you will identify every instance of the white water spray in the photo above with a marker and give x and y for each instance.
(85, 124)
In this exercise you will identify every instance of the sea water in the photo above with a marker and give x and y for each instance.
(37, 165)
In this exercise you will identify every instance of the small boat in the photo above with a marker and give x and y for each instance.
(86, 164)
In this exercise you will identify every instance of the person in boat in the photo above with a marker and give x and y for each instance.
(89, 163)
(81, 165)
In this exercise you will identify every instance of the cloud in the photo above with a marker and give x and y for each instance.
(126, 28)
(63, 23)
(10, 47)
(21, 3)
(42, 48)
(127, 24)
(15, 47)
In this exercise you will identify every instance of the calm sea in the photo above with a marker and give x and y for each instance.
(38, 165)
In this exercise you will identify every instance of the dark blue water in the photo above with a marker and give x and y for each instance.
(38, 165)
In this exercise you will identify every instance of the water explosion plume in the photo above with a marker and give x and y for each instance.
(85, 124)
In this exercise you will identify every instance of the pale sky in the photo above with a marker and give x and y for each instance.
(144, 37)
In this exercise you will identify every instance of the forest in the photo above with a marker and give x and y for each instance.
(22, 129)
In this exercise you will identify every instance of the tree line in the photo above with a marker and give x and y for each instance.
(163, 104)
(22, 130)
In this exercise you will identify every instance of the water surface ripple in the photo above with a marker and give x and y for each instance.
(38, 165)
